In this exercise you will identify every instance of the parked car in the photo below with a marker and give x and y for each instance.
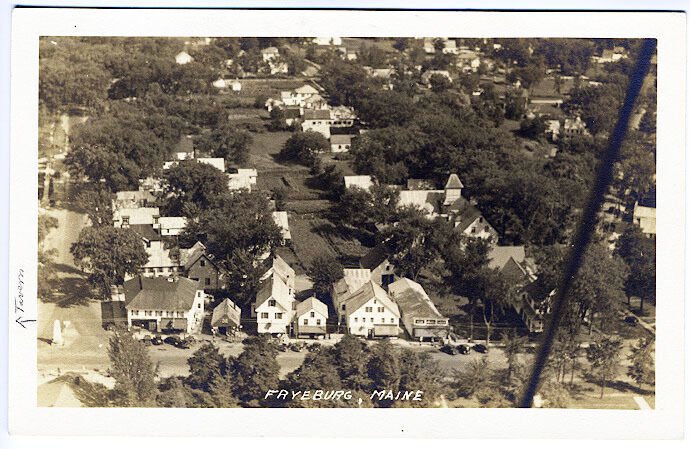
(480, 348)
(184, 343)
(631, 320)
(449, 349)
(171, 340)
(313, 347)
(156, 341)
(296, 347)
(282, 347)
(463, 349)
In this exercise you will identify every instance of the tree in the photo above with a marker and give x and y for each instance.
(639, 253)
(174, 393)
(108, 254)
(401, 44)
(255, 370)
(324, 270)
(474, 379)
(353, 207)
(641, 357)
(317, 372)
(205, 366)
(384, 368)
(222, 392)
(382, 108)
(238, 223)
(304, 147)
(132, 369)
(419, 371)
(439, 83)
(228, 142)
(604, 359)
(46, 271)
(192, 187)
(96, 200)
(351, 357)
(513, 345)
(533, 128)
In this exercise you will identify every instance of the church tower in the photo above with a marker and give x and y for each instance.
(453, 189)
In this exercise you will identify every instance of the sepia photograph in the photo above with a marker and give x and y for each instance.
(277, 219)
(340, 222)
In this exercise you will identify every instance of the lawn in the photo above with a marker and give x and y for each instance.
(307, 241)
(264, 147)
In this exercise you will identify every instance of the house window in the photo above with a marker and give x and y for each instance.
(279, 316)
(169, 314)
(170, 270)
(355, 319)
(135, 313)
(271, 303)
(418, 321)
(198, 306)
(159, 313)
(264, 315)
(430, 321)
(202, 263)
(368, 309)
(148, 243)
(125, 221)
(383, 320)
(392, 320)
(318, 322)
(474, 230)
(155, 219)
(207, 281)
(342, 307)
(371, 319)
(306, 321)
(311, 314)
(148, 313)
(381, 309)
(180, 314)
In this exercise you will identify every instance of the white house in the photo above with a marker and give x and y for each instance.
(644, 216)
(269, 54)
(310, 318)
(420, 317)
(132, 199)
(242, 178)
(226, 317)
(162, 304)
(281, 269)
(369, 312)
(317, 120)
(171, 225)
(274, 307)
(134, 216)
(341, 143)
(281, 220)
(363, 182)
(160, 261)
(183, 58)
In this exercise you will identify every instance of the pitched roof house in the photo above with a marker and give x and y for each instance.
(226, 317)
(377, 261)
(420, 317)
(197, 264)
(273, 306)
(341, 143)
(310, 317)
(159, 304)
(279, 267)
(370, 312)
(133, 216)
(132, 199)
(162, 260)
(242, 178)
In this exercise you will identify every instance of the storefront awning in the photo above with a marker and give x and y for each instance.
(311, 330)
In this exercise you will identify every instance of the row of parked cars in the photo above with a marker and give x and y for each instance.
(464, 349)
(173, 340)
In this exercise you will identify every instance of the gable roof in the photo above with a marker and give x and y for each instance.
(367, 292)
(374, 257)
(412, 299)
(146, 232)
(341, 139)
(282, 269)
(226, 309)
(273, 287)
(309, 304)
(454, 182)
(172, 222)
(317, 114)
(362, 181)
(427, 200)
(306, 89)
(499, 255)
(160, 293)
(281, 220)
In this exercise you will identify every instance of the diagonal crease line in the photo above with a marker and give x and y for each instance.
(588, 221)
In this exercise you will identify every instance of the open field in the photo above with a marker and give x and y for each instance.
(264, 147)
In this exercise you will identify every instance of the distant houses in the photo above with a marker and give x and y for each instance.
(644, 215)
(311, 316)
(226, 318)
(341, 143)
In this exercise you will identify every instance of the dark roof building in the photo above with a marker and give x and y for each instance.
(142, 293)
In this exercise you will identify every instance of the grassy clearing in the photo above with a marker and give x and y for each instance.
(307, 242)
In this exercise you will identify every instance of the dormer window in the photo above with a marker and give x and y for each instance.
(155, 219)
(202, 263)
(271, 302)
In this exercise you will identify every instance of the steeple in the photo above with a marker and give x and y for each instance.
(453, 189)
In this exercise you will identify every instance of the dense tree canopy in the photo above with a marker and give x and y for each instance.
(191, 187)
